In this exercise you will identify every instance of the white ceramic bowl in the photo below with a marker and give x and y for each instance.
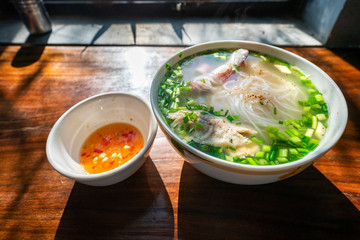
(248, 174)
(74, 126)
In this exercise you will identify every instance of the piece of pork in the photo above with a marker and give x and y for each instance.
(218, 132)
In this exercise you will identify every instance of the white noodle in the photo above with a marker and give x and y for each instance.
(242, 97)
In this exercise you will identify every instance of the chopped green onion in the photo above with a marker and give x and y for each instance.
(199, 124)
(204, 147)
(266, 148)
(251, 161)
(309, 132)
(182, 132)
(282, 160)
(185, 89)
(307, 109)
(283, 152)
(185, 119)
(303, 150)
(230, 118)
(228, 158)
(190, 102)
(180, 54)
(273, 153)
(244, 161)
(263, 162)
(259, 154)
(293, 151)
(321, 116)
(319, 98)
(255, 140)
(232, 148)
(295, 140)
(314, 122)
(292, 122)
(320, 130)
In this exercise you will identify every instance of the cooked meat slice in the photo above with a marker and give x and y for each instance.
(218, 132)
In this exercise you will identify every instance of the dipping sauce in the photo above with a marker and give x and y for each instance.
(110, 146)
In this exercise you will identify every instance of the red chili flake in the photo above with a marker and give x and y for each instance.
(125, 135)
(83, 154)
(131, 148)
(111, 163)
(124, 157)
(106, 140)
(88, 155)
(93, 167)
(97, 150)
(131, 119)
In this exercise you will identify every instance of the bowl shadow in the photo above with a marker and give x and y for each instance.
(136, 208)
(306, 206)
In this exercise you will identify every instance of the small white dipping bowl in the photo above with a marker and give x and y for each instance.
(247, 174)
(74, 126)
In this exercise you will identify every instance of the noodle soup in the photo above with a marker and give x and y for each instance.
(243, 106)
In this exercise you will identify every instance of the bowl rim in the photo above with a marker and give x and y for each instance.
(103, 175)
(259, 168)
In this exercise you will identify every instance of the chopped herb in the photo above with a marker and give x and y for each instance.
(185, 119)
(191, 102)
(275, 110)
(168, 67)
(199, 124)
(180, 54)
(232, 148)
(230, 118)
(211, 110)
(261, 103)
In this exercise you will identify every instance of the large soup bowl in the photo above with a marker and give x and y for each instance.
(248, 174)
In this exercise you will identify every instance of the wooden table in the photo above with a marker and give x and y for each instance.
(166, 198)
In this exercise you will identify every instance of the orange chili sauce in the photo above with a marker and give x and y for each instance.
(110, 146)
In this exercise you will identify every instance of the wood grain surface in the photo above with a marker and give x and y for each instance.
(166, 198)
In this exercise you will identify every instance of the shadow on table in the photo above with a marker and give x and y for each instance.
(133, 209)
(31, 51)
(307, 206)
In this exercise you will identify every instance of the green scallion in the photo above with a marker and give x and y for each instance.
(230, 118)
(199, 124)
(232, 148)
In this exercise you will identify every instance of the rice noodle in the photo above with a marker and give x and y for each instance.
(254, 98)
